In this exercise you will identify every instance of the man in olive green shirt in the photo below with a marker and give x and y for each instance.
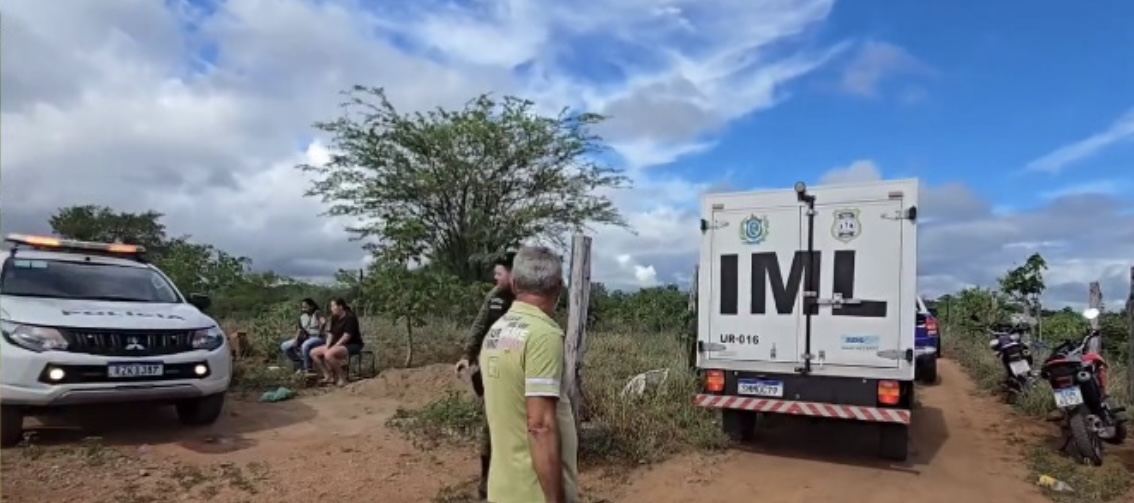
(534, 443)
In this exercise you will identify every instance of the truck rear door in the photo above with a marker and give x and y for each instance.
(750, 249)
(859, 322)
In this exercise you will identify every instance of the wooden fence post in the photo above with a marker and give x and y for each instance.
(691, 330)
(1094, 300)
(577, 304)
(1130, 338)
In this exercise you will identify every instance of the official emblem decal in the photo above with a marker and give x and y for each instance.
(846, 226)
(132, 344)
(754, 229)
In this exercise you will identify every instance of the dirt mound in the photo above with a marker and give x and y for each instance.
(411, 387)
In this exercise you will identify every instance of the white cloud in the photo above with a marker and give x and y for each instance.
(875, 62)
(108, 104)
(201, 115)
(857, 171)
(1085, 234)
(1119, 131)
(1091, 187)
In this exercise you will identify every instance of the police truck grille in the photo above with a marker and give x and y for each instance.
(128, 342)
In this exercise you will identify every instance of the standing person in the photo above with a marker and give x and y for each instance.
(308, 336)
(534, 443)
(345, 339)
(496, 303)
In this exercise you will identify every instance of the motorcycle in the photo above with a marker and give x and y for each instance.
(1078, 377)
(1013, 352)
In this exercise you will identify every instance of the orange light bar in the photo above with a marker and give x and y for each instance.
(889, 393)
(70, 244)
(714, 381)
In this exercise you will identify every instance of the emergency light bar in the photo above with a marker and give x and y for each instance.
(50, 243)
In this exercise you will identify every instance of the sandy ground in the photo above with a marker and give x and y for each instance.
(337, 446)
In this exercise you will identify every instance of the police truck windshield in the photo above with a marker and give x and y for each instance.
(61, 279)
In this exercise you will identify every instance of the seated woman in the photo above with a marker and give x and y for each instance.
(345, 339)
(308, 336)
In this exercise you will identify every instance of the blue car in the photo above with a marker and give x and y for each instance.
(927, 344)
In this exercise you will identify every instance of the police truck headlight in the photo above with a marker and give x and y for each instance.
(208, 338)
(33, 338)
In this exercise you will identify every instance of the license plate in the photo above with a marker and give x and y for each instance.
(1020, 367)
(759, 387)
(1068, 397)
(127, 370)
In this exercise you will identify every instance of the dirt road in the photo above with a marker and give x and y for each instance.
(337, 446)
(958, 454)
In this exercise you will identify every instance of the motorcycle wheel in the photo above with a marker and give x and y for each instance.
(1087, 446)
(1011, 395)
(1119, 434)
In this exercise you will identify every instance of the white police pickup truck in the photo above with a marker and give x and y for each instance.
(806, 306)
(92, 323)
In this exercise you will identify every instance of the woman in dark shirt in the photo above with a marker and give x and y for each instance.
(345, 339)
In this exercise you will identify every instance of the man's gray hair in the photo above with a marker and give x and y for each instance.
(537, 270)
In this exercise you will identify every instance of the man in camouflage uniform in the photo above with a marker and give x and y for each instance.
(496, 303)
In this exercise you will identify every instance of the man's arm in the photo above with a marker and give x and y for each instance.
(480, 326)
(543, 373)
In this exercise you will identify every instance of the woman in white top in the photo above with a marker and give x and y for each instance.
(308, 336)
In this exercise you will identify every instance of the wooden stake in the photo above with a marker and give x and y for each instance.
(578, 301)
(1130, 338)
(1094, 300)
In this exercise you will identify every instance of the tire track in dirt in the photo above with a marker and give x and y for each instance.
(959, 452)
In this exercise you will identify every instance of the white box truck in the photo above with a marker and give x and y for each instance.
(806, 306)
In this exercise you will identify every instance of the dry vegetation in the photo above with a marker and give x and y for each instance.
(967, 343)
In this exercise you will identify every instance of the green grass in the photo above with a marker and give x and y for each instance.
(621, 430)
(1090, 484)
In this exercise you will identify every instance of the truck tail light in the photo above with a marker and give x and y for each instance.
(931, 326)
(889, 393)
(714, 381)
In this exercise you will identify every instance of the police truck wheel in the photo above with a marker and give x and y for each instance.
(200, 411)
(738, 425)
(11, 426)
(893, 442)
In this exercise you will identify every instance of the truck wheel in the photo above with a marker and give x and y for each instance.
(11, 426)
(200, 411)
(893, 442)
(927, 371)
(738, 425)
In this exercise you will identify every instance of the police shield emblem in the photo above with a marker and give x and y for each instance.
(846, 226)
(754, 229)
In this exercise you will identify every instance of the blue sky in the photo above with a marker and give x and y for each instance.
(1016, 116)
(1004, 84)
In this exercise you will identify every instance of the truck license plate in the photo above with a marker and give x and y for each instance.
(1068, 397)
(759, 387)
(1020, 367)
(127, 370)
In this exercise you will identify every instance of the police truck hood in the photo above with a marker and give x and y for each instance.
(101, 314)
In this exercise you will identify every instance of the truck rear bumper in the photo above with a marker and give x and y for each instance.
(799, 408)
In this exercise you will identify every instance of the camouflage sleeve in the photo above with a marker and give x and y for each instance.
(479, 327)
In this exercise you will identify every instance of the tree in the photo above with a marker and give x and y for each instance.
(193, 267)
(103, 224)
(1025, 285)
(409, 296)
(454, 188)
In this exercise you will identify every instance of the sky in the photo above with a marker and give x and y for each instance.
(1017, 116)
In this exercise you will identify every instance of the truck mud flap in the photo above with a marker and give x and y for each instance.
(814, 409)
